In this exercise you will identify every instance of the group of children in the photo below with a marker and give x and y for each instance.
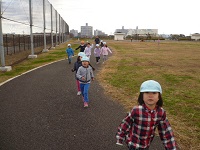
(84, 71)
(137, 129)
(99, 50)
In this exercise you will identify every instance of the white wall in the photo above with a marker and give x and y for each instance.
(195, 36)
(119, 37)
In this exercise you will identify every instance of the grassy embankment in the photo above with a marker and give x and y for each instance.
(176, 65)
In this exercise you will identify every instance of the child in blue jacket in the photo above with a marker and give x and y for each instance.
(70, 53)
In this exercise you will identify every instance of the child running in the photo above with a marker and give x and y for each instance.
(81, 46)
(138, 128)
(104, 52)
(97, 53)
(77, 64)
(85, 75)
(70, 53)
(87, 50)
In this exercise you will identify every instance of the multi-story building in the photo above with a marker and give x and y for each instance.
(86, 31)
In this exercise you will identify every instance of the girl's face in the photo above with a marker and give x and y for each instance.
(150, 99)
(85, 63)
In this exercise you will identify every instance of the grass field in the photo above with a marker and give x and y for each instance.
(175, 65)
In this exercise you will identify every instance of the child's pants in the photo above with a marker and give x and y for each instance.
(84, 91)
(97, 59)
(70, 58)
(78, 85)
(105, 57)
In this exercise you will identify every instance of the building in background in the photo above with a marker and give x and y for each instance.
(99, 33)
(122, 30)
(74, 32)
(195, 36)
(119, 36)
(140, 32)
(87, 31)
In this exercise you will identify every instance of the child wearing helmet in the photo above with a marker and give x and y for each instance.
(70, 53)
(85, 75)
(104, 52)
(97, 53)
(88, 50)
(138, 128)
(77, 64)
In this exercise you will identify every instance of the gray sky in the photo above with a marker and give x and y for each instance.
(168, 16)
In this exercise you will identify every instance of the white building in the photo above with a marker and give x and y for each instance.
(86, 31)
(195, 36)
(140, 32)
(119, 36)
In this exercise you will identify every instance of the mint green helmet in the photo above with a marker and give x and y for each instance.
(85, 58)
(150, 86)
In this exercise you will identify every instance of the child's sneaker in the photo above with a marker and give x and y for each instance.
(79, 93)
(85, 104)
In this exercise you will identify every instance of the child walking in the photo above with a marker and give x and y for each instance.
(77, 64)
(70, 53)
(85, 75)
(104, 52)
(138, 128)
(97, 53)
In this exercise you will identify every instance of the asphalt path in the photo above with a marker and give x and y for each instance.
(41, 111)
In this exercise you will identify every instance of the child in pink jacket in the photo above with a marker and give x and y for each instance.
(104, 52)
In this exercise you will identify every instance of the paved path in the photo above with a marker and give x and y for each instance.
(41, 111)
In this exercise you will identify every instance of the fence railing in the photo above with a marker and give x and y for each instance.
(15, 43)
(33, 23)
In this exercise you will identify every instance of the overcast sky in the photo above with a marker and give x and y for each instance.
(168, 16)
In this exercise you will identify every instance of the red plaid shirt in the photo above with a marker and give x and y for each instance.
(138, 128)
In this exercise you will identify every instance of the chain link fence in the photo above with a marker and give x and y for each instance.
(48, 27)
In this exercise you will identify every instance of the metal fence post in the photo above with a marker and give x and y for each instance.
(44, 21)
(31, 31)
(56, 28)
(2, 53)
(52, 26)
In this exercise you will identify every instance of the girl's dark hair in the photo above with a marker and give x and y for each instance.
(141, 101)
(79, 58)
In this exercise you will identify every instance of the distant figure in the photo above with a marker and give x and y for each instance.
(104, 52)
(158, 41)
(88, 50)
(97, 53)
(101, 43)
(97, 40)
(70, 53)
(131, 39)
(81, 46)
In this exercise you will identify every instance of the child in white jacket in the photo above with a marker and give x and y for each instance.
(87, 50)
